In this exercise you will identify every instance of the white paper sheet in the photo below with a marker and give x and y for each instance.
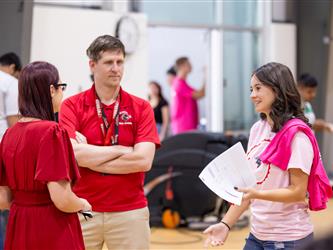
(228, 170)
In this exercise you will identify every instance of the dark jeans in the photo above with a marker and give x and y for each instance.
(252, 243)
(3, 225)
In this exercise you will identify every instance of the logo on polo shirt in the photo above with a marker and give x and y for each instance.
(124, 117)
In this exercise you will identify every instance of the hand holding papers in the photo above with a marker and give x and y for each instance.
(228, 170)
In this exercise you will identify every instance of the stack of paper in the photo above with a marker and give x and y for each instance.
(228, 170)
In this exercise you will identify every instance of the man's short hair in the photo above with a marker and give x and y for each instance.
(172, 71)
(307, 80)
(9, 59)
(104, 43)
(181, 61)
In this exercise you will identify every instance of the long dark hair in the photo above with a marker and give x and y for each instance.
(160, 94)
(287, 104)
(34, 90)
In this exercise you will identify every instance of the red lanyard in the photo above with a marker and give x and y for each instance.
(112, 130)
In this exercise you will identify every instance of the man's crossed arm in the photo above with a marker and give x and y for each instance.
(114, 159)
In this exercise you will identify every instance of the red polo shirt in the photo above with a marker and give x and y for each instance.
(115, 192)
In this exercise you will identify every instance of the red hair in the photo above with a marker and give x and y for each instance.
(34, 90)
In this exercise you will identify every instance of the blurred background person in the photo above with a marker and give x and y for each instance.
(161, 109)
(37, 169)
(184, 108)
(307, 86)
(171, 74)
(10, 67)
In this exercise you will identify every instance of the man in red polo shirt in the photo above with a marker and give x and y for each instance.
(114, 139)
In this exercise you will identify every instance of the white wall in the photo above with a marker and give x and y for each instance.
(283, 45)
(61, 36)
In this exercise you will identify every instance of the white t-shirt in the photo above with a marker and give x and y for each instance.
(278, 221)
(8, 99)
(308, 112)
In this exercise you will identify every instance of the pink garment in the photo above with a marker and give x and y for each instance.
(184, 109)
(278, 221)
(278, 153)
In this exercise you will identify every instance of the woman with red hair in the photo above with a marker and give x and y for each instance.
(37, 168)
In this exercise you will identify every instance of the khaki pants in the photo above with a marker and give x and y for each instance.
(118, 230)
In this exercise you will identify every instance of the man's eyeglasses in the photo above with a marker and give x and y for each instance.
(61, 85)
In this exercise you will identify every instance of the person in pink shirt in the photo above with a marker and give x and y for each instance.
(278, 204)
(184, 107)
